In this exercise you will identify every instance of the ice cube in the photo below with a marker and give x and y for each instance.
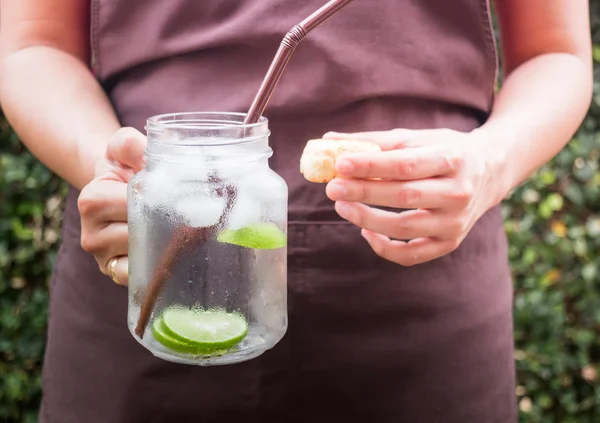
(197, 171)
(201, 212)
(232, 172)
(246, 210)
(264, 186)
(158, 187)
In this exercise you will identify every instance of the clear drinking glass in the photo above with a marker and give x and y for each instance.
(207, 241)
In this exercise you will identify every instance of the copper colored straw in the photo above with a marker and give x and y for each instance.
(189, 236)
(286, 49)
(183, 240)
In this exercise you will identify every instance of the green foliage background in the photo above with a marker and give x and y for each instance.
(553, 223)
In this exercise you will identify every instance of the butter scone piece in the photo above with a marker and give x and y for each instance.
(317, 163)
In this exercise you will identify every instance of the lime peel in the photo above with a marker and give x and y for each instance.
(174, 344)
(261, 236)
(198, 331)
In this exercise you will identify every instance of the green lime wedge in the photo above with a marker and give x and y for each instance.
(206, 331)
(262, 236)
(174, 344)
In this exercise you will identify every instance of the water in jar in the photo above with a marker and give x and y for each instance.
(207, 258)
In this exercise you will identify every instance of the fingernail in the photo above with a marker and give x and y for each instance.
(344, 166)
(337, 190)
(333, 134)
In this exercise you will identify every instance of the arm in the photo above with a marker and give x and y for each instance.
(547, 58)
(47, 90)
(450, 179)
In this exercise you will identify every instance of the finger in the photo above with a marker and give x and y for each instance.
(387, 140)
(395, 138)
(424, 193)
(121, 271)
(103, 201)
(410, 253)
(406, 225)
(402, 165)
(106, 243)
(126, 147)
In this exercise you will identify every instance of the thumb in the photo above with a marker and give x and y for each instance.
(126, 149)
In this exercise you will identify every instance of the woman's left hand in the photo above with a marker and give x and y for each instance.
(446, 178)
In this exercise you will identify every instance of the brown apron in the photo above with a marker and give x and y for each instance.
(367, 339)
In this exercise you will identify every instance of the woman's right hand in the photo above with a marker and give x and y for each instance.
(103, 203)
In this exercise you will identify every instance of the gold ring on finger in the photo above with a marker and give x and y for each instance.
(112, 265)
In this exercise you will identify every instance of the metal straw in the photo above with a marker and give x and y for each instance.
(286, 49)
(184, 238)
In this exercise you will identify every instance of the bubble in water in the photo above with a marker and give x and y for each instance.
(276, 212)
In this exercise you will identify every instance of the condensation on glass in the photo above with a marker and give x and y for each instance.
(207, 224)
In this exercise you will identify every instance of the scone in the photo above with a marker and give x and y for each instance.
(317, 163)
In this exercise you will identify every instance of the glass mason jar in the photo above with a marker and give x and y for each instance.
(207, 224)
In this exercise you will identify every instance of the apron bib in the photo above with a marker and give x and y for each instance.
(367, 339)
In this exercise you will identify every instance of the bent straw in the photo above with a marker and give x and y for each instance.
(284, 54)
(188, 236)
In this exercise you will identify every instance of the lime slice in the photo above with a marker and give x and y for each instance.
(174, 344)
(262, 236)
(205, 330)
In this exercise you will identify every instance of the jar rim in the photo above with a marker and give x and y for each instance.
(207, 133)
(206, 121)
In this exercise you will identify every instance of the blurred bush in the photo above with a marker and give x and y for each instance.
(553, 223)
(30, 206)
